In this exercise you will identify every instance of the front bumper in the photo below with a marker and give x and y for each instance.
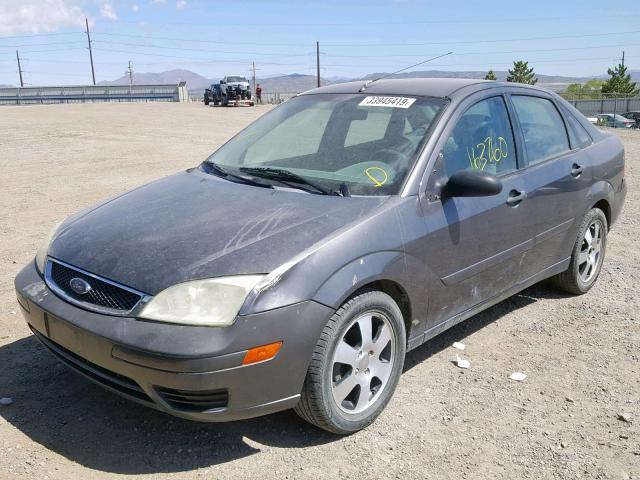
(190, 372)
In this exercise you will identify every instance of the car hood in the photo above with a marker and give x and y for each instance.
(192, 225)
(237, 84)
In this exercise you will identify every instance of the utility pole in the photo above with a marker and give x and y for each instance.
(623, 58)
(19, 68)
(253, 67)
(93, 73)
(318, 62)
(130, 73)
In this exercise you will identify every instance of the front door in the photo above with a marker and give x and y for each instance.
(475, 245)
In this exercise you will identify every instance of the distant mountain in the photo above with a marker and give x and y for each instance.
(290, 83)
(194, 80)
(553, 82)
(297, 82)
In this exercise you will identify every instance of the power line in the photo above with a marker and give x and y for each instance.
(27, 45)
(472, 42)
(192, 58)
(403, 22)
(54, 50)
(146, 45)
(402, 44)
(34, 35)
(518, 52)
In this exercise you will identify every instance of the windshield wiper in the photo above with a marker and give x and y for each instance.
(286, 177)
(214, 168)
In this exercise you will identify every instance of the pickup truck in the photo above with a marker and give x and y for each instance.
(230, 89)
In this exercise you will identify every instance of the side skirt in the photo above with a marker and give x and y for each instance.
(450, 322)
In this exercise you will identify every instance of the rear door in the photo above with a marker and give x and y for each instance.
(556, 176)
(474, 245)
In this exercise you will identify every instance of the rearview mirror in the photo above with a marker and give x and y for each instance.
(472, 183)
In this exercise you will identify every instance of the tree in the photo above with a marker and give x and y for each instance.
(490, 75)
(521, 73)
(620, 82)
(591, 89)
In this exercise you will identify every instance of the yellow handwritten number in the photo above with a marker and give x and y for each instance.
(376, 178)
(495, 148)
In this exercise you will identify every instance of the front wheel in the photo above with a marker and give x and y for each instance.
(356, 364)
(587, 255)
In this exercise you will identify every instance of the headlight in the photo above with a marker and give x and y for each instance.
(41, 255)
(213, 302)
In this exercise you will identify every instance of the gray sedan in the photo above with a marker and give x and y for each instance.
(296, 266)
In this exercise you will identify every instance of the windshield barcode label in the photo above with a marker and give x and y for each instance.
(394, 102)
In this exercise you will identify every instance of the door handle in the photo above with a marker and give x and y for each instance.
(515, 197)
(576, 170)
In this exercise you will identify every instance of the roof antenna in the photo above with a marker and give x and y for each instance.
(369, 82)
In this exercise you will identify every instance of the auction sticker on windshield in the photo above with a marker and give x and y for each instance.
(395, 102)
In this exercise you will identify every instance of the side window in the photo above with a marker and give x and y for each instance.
(583, 137)
(482, 140)
(544, 132)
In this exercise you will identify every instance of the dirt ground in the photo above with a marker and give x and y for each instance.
(581, 354)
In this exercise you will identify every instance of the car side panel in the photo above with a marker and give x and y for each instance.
(608, 172)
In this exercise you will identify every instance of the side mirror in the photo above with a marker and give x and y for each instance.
(472, 183)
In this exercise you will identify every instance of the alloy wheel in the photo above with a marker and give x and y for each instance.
(590, 254)
(363, 362)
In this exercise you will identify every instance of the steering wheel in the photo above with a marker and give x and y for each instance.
(400, 157)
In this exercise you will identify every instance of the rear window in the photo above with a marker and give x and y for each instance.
(544, 131)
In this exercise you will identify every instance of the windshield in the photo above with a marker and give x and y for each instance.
(236, 79)
(368, 143)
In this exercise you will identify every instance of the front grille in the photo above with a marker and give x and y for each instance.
(102, 294)
(98, 374)
(195, 401)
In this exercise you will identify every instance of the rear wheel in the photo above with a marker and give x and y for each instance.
(587, 256)
(356, 364)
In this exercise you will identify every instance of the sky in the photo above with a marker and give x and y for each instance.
(217, 38)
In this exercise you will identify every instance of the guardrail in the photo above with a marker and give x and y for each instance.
(94, 93)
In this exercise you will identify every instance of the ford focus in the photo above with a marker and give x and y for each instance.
(296, 266)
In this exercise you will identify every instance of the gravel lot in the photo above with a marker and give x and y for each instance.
(581, 354)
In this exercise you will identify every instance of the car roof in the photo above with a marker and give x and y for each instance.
(430, 87)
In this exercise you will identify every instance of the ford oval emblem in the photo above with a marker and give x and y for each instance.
(79, 286)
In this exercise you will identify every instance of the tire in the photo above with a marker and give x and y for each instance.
(342, 339)
(206, 101)
(586, 259)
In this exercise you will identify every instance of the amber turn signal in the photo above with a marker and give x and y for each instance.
(261, 353)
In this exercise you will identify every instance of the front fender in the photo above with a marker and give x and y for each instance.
(389, 265)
